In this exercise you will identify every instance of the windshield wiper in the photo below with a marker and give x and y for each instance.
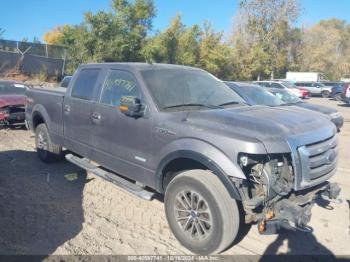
(193, 104)
(233, 103)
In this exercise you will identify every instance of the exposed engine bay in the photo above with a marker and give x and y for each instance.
(12, 115)
(269, 195)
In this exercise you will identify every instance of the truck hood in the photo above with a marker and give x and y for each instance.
(269, 125)
(12, 100)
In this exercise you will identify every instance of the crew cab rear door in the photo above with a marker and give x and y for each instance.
(122, 143)
(77, 110)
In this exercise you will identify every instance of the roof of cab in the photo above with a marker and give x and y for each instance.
(139, 66)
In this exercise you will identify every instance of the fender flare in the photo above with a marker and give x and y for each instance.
(193, 155)
(39, 109)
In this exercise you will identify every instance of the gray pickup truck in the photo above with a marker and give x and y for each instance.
(179, 131)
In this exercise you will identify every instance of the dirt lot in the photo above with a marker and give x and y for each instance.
(59, 209)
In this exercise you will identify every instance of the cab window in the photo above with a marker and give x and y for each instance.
(117, 84)
(83, 87)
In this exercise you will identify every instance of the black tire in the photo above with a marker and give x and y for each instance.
(223, 212)
(325, 94)
(47, 151)
(338, 97)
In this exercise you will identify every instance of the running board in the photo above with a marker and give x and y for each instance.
(111, 177)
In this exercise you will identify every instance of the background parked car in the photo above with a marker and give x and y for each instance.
(255, 95)
(291, 99)
(302, 93)
(330, 83)
(12, 103)
(347, 95)
(338, 91)
(315, 88)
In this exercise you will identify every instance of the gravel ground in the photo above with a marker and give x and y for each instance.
(59, 209)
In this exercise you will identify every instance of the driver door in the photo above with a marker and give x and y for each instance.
(122, 143)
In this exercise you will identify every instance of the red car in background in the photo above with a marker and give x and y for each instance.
(284, 84)
(304, 93)
(12, 103)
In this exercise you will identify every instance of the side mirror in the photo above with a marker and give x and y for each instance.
(131, 106)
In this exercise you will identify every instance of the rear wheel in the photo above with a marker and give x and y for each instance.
(201, 213)
(325, 94)
(47, 151)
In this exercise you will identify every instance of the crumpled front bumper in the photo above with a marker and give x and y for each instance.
(295, 212)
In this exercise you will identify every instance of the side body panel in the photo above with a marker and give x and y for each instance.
(48, 105)
(77, 117)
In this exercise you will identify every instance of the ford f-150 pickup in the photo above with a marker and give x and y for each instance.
(181, 132)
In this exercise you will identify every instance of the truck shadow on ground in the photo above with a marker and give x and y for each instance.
(40, 209)
(298, 243)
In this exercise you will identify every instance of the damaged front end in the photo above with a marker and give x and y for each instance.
(270, 197)
(4, 114)
(12, 116)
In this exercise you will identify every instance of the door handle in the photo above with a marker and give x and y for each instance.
(66, 108)
(96, 116)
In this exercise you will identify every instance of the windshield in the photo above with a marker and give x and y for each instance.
(259, 95)
(287, 97)
(9, 89)
(196, 89)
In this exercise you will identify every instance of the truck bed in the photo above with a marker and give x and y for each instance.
(48, 102)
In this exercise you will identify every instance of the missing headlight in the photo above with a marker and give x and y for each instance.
(267, 175)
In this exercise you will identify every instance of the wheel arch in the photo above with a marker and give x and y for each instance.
(37, 119)
(40, 116)
(187, 159)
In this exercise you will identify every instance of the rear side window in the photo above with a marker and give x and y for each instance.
(65, 81)
(83, 87)
(118, 83)
(264, 84)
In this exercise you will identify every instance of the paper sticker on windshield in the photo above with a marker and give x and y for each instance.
(19, 85)
(120, 83)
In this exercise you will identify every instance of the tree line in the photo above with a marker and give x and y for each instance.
(266, 41)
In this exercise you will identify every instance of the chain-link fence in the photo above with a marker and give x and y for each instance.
(32, 58)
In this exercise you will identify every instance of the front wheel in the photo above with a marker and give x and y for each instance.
(47, 151)
(201, 213)
(325, 94)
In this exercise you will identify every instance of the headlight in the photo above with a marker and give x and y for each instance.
(243, 160)
(335, 115)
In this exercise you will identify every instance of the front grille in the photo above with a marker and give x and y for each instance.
(319, 159)
(322, 157)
